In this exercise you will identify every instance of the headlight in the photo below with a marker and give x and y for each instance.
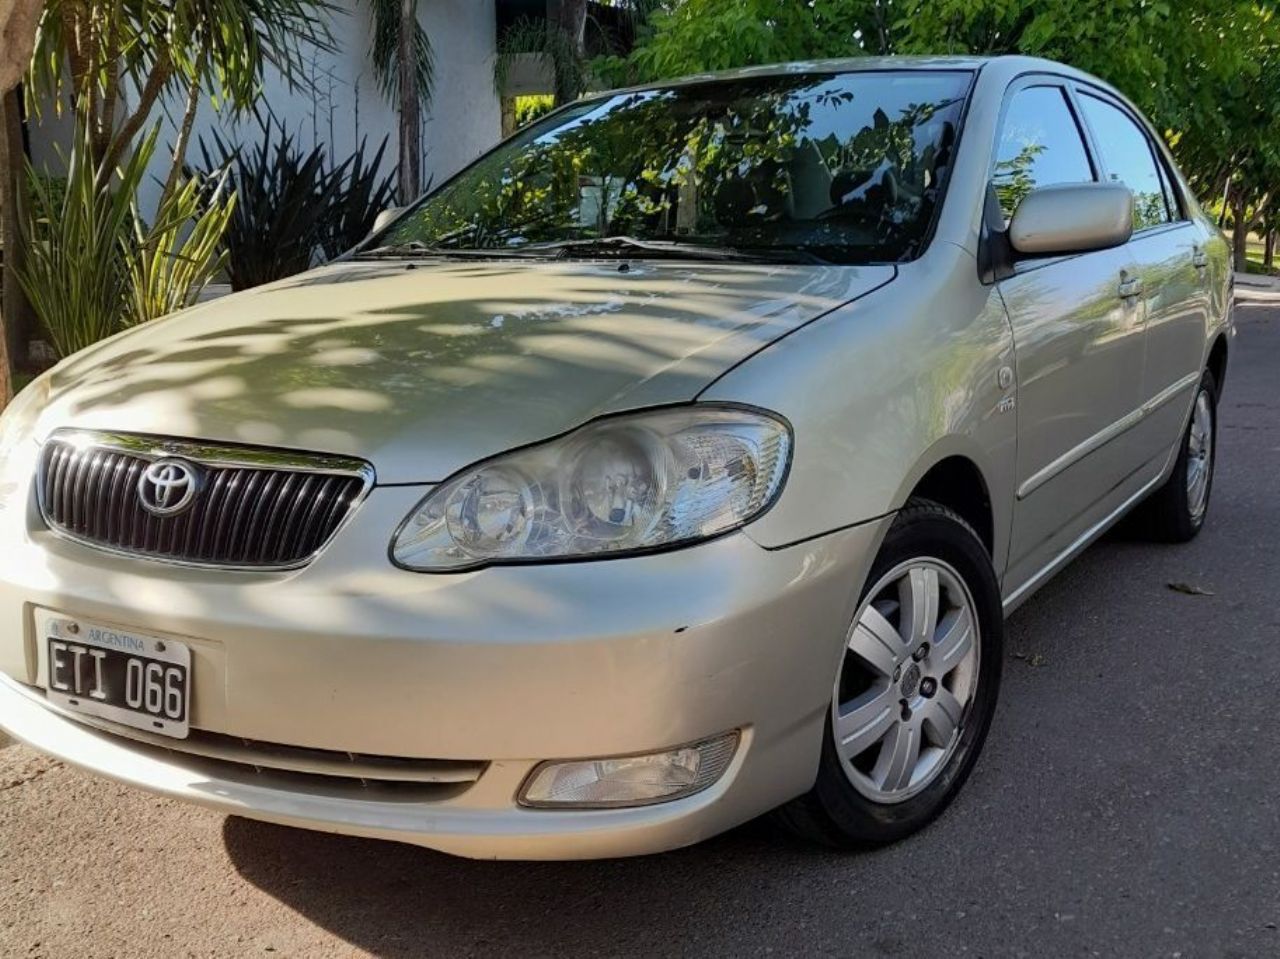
(622, 484)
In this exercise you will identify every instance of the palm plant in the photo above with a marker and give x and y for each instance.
(547, 42)
(94, 265)
(186, 47)
(284, 195)
(90, 54)
(363, 193)
(560, 44)
(404, 67)
(294, 205)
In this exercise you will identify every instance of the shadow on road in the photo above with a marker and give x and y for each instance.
(727, 895)
(399, 901)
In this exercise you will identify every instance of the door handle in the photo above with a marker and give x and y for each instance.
(1130, 288)
(1199, 258)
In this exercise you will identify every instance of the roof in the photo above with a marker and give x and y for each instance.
(1011, 65)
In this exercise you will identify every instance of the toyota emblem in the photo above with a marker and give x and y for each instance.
(168, 487)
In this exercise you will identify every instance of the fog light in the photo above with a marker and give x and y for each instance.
(630, 780)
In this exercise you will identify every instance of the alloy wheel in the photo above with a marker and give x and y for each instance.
(907, 681)
(1199, 456)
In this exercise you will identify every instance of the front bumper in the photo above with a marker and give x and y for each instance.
(504, 667)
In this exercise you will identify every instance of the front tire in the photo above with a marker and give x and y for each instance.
(916, 689)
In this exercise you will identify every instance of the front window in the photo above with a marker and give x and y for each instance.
(1040, 145)
(847, 168)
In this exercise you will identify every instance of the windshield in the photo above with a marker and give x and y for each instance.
(846, 167)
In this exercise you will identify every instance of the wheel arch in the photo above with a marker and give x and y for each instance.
(1217, 362)
(954, 473)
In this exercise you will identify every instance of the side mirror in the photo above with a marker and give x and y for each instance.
(1072, 218)
(385, 217)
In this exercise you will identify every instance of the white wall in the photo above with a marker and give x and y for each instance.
(463, 119)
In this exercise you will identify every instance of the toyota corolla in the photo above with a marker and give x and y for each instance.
(676, 462)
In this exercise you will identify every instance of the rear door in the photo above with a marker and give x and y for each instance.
(1078, 337)
(1172, 262)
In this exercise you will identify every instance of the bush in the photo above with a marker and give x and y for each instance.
(171, 261)
(293, 206)
(94, 266)
(358, 202)
(533, 107)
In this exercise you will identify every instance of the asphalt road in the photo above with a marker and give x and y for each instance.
(1128, 804)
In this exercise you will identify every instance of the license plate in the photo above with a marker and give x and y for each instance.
(126, 677)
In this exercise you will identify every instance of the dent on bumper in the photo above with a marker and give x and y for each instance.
(511, 666)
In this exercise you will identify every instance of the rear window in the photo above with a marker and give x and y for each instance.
(1129, 159)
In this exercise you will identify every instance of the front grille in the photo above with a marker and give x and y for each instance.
(252, 508)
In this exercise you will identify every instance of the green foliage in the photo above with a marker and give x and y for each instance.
(542, 39)
(385, 53)
(171, 260)
(283, 196)
(293, 206)
(700, 35)
(363, 192)
(94, 266)
(74, 272)
(534, 107)
(1206, 71)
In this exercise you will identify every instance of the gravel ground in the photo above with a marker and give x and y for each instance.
(1126, 805)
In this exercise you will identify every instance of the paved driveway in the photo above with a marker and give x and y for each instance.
(1126, 805)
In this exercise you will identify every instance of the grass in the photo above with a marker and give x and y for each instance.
(1255, 252)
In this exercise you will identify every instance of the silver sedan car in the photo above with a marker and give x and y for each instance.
(676, 462)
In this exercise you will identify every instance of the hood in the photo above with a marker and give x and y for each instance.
(422, 368)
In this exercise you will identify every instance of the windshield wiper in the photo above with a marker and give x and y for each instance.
(670, 249)
(619, 246)
(415, 248)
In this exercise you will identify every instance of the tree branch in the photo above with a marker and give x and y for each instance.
(188, 121)
(160, 75)
(111, 90)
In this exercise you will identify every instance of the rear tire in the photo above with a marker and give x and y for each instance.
(916, 689)
(1175, 513)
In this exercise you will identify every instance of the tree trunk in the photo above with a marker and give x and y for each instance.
(184, 132)
(1269, 255)
(1240, 230)
(410, 109)
(571, 20)
(18, 20)
(19, 320)
(122, 139)
(8, 240)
